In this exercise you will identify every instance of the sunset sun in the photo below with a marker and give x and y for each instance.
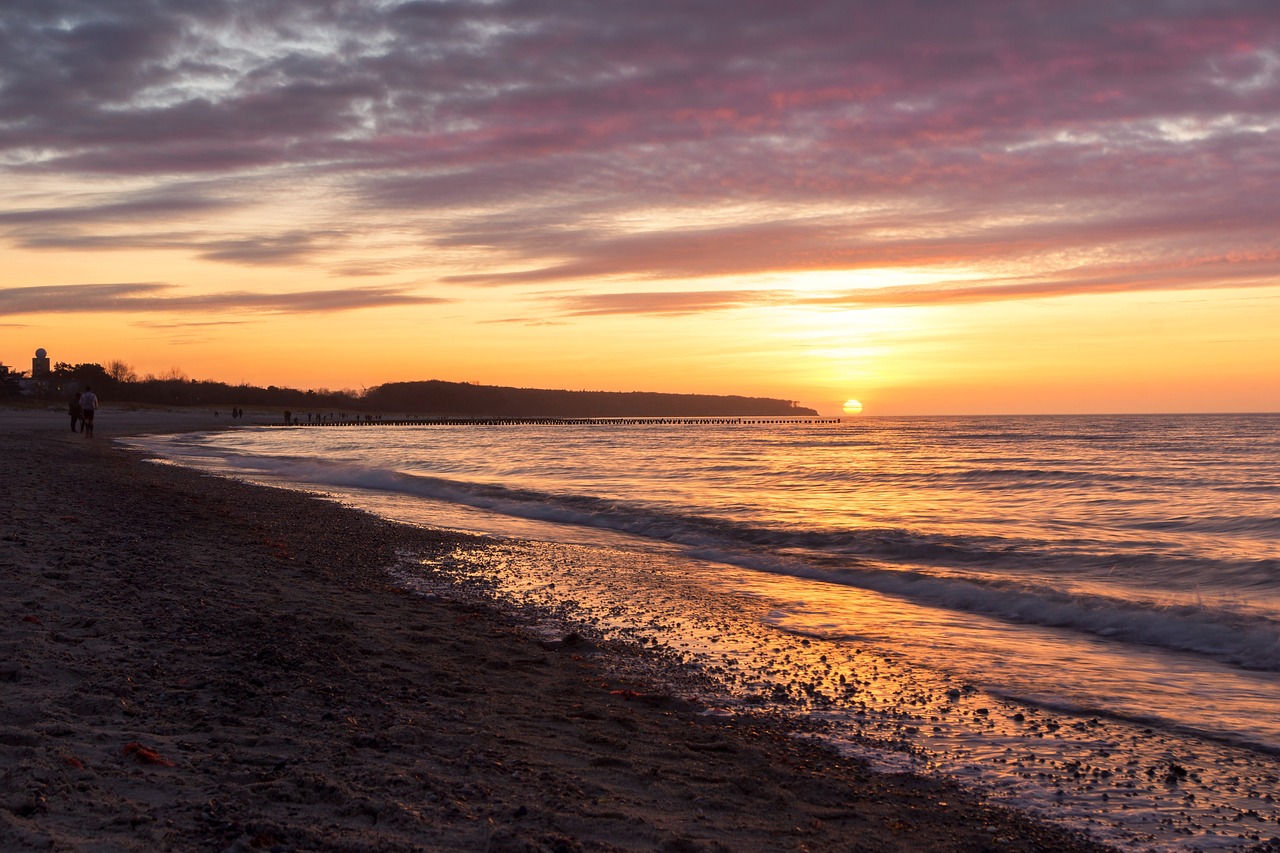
(852, 407)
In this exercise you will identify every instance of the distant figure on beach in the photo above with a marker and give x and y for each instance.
(73, 409)
(288, 417)
(88, 405)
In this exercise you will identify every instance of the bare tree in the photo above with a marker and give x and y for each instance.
(121, 372)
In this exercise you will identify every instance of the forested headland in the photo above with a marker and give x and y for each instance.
(436, 397)
(118, 384)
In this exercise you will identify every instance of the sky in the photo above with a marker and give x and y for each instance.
(935, 207)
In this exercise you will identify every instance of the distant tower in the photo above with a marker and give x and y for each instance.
(40, 365)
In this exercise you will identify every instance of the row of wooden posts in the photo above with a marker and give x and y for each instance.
(333, 422)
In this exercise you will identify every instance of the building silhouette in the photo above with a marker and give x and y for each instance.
(40, 365)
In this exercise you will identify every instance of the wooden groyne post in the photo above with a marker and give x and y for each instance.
(369, 421)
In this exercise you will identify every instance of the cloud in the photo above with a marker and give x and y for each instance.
(146, 207)
(1078, 282)
(663, 303)
(280, 249)
(820, 136)
(878, 241)
(1088, 280)
(190, 324)
(289, 248)
(152, 297)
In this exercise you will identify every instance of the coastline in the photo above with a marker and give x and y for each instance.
(189, 662)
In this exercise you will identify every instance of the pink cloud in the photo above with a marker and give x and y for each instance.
(1244, 273)
(1149, 129)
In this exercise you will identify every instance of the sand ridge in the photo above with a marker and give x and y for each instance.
(192, 663)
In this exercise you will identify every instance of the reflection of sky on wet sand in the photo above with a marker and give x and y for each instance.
(1049, 667)
(903, 687)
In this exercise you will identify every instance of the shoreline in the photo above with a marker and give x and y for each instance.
(190, 662)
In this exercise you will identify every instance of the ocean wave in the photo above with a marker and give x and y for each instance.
(1265, 525)
(1040, 478)
(891, 561)
(1223, 633)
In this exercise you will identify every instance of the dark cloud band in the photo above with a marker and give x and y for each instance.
(150, 297)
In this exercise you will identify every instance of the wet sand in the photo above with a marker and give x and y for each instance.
(188, 662)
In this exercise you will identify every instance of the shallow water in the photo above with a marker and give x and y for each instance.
(1081, 615)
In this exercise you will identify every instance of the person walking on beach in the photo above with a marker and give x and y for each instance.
(88, 405)
(73, 409)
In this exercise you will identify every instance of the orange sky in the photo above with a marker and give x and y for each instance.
(1056, 208)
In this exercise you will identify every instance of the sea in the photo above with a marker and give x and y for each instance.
(1078, 616)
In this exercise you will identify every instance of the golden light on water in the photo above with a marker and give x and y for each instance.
(852, 407)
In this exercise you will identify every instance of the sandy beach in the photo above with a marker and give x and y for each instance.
(193, 663)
